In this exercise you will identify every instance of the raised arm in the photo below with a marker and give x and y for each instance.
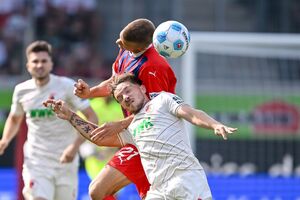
(83, 90)
(201, 119)
(85, 128)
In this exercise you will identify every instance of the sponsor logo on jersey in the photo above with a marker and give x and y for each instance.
(144, 125)
(153, 73)
(41, 113)
(177, 99)
(153, 94)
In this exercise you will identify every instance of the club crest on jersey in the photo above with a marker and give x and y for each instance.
(177, 99)
(149, 108)
(51, 96)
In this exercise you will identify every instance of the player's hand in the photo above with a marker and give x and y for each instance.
(59, 107)
(3, 145)
(69, 154)
(106, 130)
(222, 130)
(82, 89)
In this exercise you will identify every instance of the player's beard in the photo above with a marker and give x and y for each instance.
(43, 78)
(138, 107)
(41, 74)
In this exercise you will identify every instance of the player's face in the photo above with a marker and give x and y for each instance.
(130, 46)
(131, 96)
(39, 65)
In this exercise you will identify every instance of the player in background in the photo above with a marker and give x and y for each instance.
(159, 133)
(51, 158)
(138, 56)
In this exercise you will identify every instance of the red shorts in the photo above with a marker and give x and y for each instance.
(127, 160)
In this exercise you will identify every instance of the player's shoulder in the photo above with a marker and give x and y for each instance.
(155, 60)
(167, 96)
(152, 53)
(162, 96)
(61, 79)
(25, 85)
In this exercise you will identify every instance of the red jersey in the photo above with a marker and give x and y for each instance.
(151, 68)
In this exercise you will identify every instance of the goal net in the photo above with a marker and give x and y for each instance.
(238, 73)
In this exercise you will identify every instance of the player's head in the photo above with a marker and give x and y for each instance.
(137, 35)
(39, 61)
(129, 92)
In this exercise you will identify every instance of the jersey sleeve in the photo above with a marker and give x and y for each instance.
(154, 79)
(16, 106)
(115, 66)
(125, 137)
(76, 102)
(172, 101)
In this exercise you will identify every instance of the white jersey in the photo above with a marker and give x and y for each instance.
(161, 139)
(48, 135)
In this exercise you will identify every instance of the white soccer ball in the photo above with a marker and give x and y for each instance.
(171, 39)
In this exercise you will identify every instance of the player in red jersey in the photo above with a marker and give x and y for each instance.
(137, 56)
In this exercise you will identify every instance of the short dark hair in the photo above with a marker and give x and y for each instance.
(39, 46)
(139, 31)
(126, 77)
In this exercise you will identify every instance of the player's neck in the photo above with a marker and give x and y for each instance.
(42, 81)
(146, 101)
(137, 54)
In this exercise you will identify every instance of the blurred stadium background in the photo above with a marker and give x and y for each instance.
(243, 67)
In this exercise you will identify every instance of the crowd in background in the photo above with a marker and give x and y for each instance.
(73, 27)
(84, 42)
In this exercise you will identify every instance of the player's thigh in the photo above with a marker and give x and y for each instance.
(66, 183)
(37, 185)
(109, 181)
(67, 192)
(155, 195)
(191, 184)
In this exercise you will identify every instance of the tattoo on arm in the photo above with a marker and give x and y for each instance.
(83, 127)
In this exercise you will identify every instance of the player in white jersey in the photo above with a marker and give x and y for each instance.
(158, 132)
(50, 152)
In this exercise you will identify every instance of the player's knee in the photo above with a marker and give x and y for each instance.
(95, 193)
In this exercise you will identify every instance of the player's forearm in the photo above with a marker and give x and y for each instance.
(11, 127)
(78, 141)
(203, 120)
(85, 128)
(91, 117)
(126, 122)
(101, 90)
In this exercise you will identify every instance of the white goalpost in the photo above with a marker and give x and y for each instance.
(242, 51)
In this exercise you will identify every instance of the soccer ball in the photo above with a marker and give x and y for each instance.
(171, 39)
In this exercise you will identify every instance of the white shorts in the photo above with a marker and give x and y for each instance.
(189, 184)
(50, 183)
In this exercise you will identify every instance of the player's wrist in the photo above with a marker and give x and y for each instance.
(71, 116)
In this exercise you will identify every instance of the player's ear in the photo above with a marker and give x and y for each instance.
(118, 41)
(143, 88)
